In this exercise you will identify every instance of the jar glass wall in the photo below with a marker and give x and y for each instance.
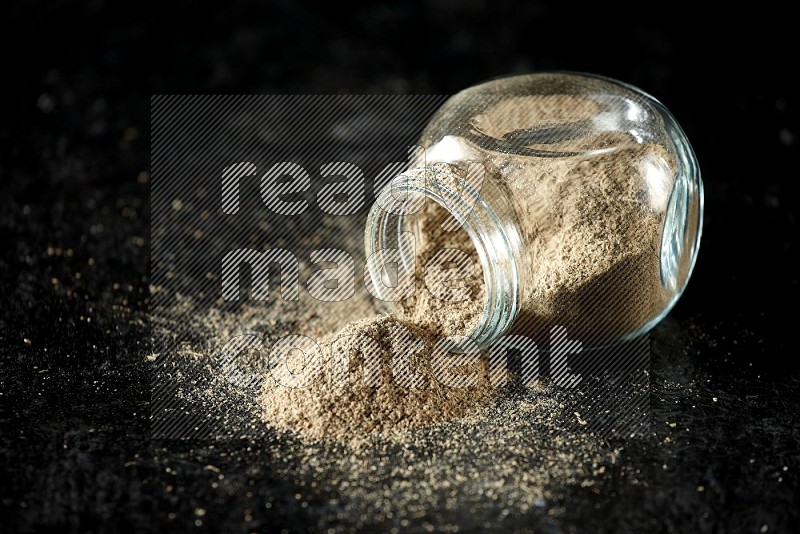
(581, 196)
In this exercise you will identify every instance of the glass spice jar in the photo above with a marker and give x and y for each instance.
(581, 195)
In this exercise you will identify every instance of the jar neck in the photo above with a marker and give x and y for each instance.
(483, 209)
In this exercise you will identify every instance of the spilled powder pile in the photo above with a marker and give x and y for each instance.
(376, 375)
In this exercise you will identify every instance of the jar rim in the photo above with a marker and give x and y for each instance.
(491, 240)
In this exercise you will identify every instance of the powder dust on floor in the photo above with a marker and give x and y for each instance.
(514, 451)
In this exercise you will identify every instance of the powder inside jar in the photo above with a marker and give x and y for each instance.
(441, 306)
(592, 259)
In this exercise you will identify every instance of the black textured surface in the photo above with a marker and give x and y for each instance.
(75, 451)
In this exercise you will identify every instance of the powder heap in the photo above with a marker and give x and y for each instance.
(376, 375)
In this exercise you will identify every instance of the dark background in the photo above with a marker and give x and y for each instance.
(75, 452)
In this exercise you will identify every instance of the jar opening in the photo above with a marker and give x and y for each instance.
(493, 242)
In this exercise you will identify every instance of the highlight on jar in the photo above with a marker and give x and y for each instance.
(578, 197)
